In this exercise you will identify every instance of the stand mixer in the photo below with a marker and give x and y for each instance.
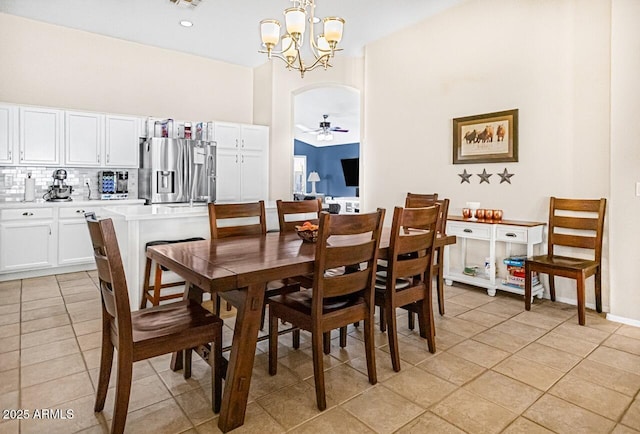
(59, 191)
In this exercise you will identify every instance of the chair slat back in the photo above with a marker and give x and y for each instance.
(233, 211)
(582, 228)
(112, 281)
(288, 208)
(415, 200)
(351, 241)
(442, 217)
(413, 233)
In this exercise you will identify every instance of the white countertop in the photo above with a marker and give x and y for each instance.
(165, 211)
(41, 203)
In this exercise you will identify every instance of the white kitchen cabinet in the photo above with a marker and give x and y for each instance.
(27, 239)
(74, 241)
(41, 133)
(8, 133)
(242, 162)
(84, 139)
(122, 141)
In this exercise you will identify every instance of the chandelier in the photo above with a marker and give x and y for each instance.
(322, 47)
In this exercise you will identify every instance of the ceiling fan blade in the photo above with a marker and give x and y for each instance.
(339, 130)
(303, 128)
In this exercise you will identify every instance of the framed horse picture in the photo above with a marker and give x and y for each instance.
(486, 138)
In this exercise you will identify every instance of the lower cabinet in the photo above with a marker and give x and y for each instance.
(26, 245)
(74, 242)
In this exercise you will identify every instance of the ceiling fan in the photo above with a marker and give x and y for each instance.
(325, 132)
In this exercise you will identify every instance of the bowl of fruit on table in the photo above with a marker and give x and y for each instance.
(308, 232)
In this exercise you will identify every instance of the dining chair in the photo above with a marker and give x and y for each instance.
(573, 223)
(147, 333)
(407, 281)
(335, 300)
(152, 293)
(415, 200)
(238, 219)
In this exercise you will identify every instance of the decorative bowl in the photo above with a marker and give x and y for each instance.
(307, 235)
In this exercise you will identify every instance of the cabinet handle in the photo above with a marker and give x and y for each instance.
(80, 211)
(21, 155)
(108, 158)
(243, 143)
(243, 159)
(27, 213)
(49, 229)
(469, 231)
(98, 158)
(236, 159)
(10, 154)
(510, 234)
(236, 143)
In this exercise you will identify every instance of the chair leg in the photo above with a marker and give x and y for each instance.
(295, 337)
(440, 285)
(106, 361)
(343, 337)
(326, 340)
(383, 326)
(317, 339)
(527, 286)
(145, 284)
(581, 303)
(425, 322)
(215, 361)
(262, 317)
(370, 350)
(392, 334)
(273, 344)
(411, 320)
(598, 288)
(552, 287)
(123, 390)
(157, 286)
(187, 362)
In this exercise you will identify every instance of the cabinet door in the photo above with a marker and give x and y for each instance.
(227, 136)
(254, 137)
(74, 245)
(252, 182)
(40, 135)
(84, 139)
(8, 119)
(227, 176)
(26, 246)
(123, 139)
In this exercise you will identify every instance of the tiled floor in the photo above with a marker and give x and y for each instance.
(497, 369)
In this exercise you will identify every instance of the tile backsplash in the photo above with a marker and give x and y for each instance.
(12, 181)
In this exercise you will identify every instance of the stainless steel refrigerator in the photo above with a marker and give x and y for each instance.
(177, 170)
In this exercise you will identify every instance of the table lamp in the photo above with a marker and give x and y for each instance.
(313, 178)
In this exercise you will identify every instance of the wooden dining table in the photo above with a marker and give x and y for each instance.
(241, 266)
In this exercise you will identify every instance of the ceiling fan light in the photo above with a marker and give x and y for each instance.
(328, 136)
(270, 32)
(320, 137)
(333, 28)
(295, 20)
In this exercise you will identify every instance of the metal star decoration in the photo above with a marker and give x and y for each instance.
(484, 176)
(465, 177)
(505, 176)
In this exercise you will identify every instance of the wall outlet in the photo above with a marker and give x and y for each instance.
(86, 181)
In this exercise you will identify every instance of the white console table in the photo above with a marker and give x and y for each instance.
(505, 231)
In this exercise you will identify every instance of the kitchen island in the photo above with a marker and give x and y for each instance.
(137, 225)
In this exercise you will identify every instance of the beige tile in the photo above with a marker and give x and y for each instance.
(444, 339)
(176, 383)
(81, 289)
(591, 396)
(9, 400)
(613, 378)
(85, 315)
(161, 363)
(10, 318)
(598, 321)
(144, 392)
(72, 283)
(72, 276)
(429, 422)
(83, 418)
(162, 417)
(92, 295)
(473, 413)
(141, 370)
(39, 293)
(578, 347)
(623, 343)
(472, 299)
(419, 386)
(46, 336)
(411, 351)
(9, 381)
(629, 331)
(86, 327)
(575, 331)
(10, 427)
(342, 383)
(10, 360)
(452, 368)
(501, 340)
(10, 285)
(529, 372)
(451, 308)
(301, 362)
(49, 351)
(555, 310)
(525, 426)
(519, 329)
(40, 304)
(197, 405)
(45, 323)
(9, 308)
(90, 341)
(9, 330)
(9, 344)
(256, 420)
(632, 416)
(291, 405)
(479, 353)
(333, 421)
(563, 417)
(51, 369)
(499, 389)
(459, 326)
(383, 409)
(622, 429)
(538, 319)
(485, 319)
(384, 368)
(262, 383)
(92, 357)
(549, 356)
(44, 312)
(57, 391)
(616, 358)
(503, 307)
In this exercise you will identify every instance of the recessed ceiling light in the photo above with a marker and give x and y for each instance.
(186, 23)
(315, 20)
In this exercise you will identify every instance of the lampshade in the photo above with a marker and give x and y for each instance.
(333, 27)
(270, 32)
(313, 177)
(289, 47)
(294, 19)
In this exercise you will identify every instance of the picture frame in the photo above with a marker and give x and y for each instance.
(486, 138)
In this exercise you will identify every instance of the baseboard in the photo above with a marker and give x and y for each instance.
(574, 302)
(623, 320)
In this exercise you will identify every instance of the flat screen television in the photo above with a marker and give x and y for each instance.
(351, 171)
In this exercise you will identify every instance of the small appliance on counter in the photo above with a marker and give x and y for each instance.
(59, 191)
(113, 184)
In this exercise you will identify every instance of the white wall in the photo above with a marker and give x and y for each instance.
(49, 65)
(549, 59)
(624, 207)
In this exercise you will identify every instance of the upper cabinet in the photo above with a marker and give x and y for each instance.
(41, 132)
(8, 133)
(122, 141)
